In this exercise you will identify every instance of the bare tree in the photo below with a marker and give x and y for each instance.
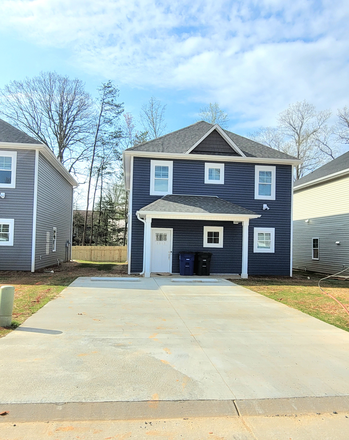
(214, 115)
(270, 136)
(343, 125)
(53, 109)
(152, 118)
(327, 142)
(131, 136)
(107, 134)
(302, 127)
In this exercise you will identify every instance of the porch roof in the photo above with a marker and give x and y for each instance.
(196, 207)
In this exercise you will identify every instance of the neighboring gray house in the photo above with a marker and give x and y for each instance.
(205, 189)
(321, 218)
(36, 200)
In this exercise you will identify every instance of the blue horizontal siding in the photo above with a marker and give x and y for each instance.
(18, 205)
(188, 178)
(188, 237)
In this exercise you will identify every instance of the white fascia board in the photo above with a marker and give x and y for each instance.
(322, 179)
(212, 158)
(47, 153)
(224, 136)
(196, 216)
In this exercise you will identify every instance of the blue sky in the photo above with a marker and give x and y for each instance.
(252, 57)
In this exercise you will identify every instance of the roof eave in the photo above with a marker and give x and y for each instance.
(196, 216)
(322, 179)
(213, 158)
(47, 153)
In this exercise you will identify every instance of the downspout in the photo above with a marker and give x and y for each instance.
(35, 207)
(143, 221)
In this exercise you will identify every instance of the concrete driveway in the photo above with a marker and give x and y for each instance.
(161, 339)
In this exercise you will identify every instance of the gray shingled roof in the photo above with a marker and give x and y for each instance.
(195, 205)
(8, 133)
(181, 141)
(335, 166)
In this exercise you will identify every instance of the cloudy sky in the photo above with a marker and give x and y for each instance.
(252, 57)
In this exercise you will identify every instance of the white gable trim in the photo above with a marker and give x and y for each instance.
(224, 136)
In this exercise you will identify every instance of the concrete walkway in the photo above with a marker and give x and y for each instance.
(156, 343)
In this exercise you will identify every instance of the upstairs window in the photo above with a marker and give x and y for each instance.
(214, 173)
(315, 248)
(8, 169)
(6, 232)
(264, 182)
(161, 177)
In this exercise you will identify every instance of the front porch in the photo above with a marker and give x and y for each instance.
(177, 224)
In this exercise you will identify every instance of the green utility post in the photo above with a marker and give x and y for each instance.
(7, 295)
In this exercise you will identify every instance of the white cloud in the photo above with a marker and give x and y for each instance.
(253, 57)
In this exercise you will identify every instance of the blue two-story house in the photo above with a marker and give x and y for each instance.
(206, 189)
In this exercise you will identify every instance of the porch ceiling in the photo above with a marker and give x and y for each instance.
(193, 207)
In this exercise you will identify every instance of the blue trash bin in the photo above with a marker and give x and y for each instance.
(186, 263)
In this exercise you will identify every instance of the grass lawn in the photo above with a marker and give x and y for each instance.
(34, 290)
(301, 292)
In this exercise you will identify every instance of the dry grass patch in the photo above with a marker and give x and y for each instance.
(302, 293)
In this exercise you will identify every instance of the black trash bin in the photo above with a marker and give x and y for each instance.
(203, 263)
(186, 263)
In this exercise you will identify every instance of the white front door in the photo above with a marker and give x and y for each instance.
(161, 250)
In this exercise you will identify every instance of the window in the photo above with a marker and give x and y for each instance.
(54, 239)
(161, 177)
(214, 173)
(264, 240)
(264, 182)
(6, 232)
(160, 237)
(213, 236)
(8, 160)
(315, 249)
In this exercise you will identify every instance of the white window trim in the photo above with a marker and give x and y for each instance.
(11, 224)
(163, 163)
(54, 239)
(256, 231)
(220, 166)
(312, 248)
(218, 229)
(259, 168)
(12, 154)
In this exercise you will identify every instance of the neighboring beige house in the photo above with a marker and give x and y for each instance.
(321, 218)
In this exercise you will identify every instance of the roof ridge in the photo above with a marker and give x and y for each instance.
(190, 195)
(167, 134)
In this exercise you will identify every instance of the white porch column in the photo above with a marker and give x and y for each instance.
(147, 246)
(244, 267)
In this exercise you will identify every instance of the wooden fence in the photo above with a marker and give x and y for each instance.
(117, 254)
